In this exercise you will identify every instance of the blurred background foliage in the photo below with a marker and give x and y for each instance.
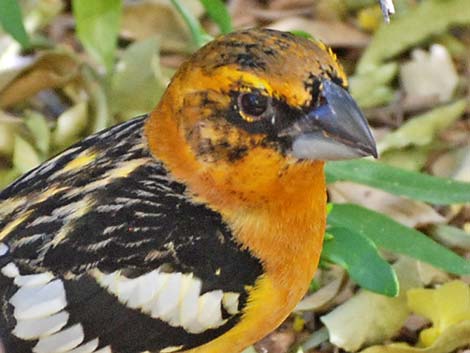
(395, 272)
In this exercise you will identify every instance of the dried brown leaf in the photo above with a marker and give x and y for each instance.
(454, 164)
(333, 33)
(242, 12)
(276, 15)
(321, 297)
(290, 4)
(277, 342)
(50, 70)
(144, 19)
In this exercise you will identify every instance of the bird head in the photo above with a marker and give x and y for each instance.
(254, 108)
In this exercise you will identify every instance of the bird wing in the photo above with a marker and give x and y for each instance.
(101, 250)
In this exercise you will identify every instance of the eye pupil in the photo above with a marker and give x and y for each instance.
(254, 104)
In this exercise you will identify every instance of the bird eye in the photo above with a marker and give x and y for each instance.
(253, 104)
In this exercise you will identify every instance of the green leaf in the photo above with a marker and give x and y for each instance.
(374, 88)
(303, 34)
(37, 124)
(70, 125)
(8, 128)
(25, 157)
(217, 10)
(412, 29)
(99, 106)
(137, 71)
(313, 341)
(451, 236)
(98, 28)
(200, 36)
(7, 176)
(250, 349)
(400, 182)
(391, 235)
(422, 129)
(12, 22)
(413, 158)
(364, 264)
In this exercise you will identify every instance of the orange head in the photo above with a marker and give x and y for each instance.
(253, 114)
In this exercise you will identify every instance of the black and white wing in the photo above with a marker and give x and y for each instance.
(101, 251)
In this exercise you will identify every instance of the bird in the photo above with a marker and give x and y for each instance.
(195, 228)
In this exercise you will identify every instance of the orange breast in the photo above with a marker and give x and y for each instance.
(276, 208)
(288, 239)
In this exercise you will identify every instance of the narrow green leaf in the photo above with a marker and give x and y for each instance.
(98, 28)
(217, 10)
(313, 341)
(99, 103)
(391, 235)
(303, 34)
(401, 182)
(12, 21)
(360, 257)
(200, 36)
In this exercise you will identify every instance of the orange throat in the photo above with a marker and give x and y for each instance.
(276, 209)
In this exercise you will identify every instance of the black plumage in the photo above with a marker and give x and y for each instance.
(118, 209)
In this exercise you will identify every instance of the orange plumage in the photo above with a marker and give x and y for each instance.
(197, 228)
(275, 204)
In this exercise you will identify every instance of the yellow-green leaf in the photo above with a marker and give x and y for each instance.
(70, 125)
(421, 130)
(444, 306)
(25, 157)
(39, 128)
(428, 18)
(137, 83)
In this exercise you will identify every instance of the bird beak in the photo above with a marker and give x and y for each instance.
(336, 130)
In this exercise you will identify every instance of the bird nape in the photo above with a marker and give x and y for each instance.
(195, 228)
